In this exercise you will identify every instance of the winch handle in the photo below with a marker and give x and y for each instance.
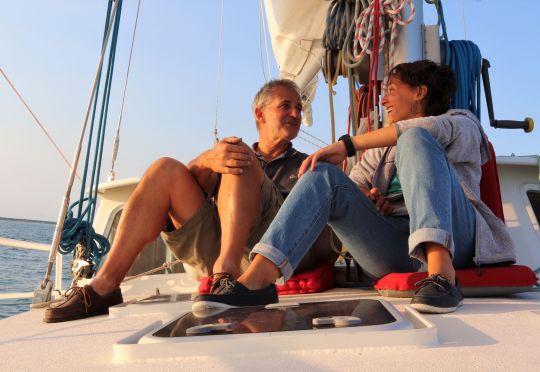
(527, 124)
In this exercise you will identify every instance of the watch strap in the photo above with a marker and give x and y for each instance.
(349, 146)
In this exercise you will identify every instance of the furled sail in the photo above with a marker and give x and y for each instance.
(296, 30)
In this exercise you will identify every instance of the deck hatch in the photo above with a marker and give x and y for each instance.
(283, 319)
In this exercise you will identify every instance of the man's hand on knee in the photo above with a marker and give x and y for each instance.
(229, 156)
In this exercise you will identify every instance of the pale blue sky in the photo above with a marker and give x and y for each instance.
(50, 49)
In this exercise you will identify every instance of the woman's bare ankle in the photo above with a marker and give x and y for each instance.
(260, 274)
(440, 262)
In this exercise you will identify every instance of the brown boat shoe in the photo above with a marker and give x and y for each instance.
(82, 302)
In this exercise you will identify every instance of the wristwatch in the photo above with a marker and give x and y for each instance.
(349, 146)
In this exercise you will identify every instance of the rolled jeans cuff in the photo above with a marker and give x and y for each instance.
(277, 257)
(431, 235)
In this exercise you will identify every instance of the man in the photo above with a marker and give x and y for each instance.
(214, 209)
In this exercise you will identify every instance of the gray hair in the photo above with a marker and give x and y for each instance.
(264, 95)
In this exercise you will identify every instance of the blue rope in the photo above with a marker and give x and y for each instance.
(442, 23)
(75, 231)
(466, 61)
(79, 229)
(464, 57)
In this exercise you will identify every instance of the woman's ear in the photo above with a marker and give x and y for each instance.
(421, 92)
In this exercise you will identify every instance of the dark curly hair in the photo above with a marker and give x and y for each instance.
(440, 81)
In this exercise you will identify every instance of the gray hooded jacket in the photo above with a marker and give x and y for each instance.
(466, 145)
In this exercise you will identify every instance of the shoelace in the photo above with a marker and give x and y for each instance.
(226, 283)
(220, 280)
(435, 279)
(81, 291)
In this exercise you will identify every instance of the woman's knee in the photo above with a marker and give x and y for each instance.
(415, 142)
(413, 137)
(327, 171)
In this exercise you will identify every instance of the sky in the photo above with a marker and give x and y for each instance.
(50, 50)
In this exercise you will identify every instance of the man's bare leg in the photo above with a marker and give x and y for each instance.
(238, 204)
(167, 189)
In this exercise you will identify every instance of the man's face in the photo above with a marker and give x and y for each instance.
(280, 119)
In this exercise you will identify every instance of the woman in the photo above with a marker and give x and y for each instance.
(413, 199)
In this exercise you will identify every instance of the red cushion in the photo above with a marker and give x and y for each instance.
(320, 279)
(205, 284)
(317, 280)
(490, 190)
(486, 281)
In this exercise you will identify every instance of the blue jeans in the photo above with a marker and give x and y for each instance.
(438, 212)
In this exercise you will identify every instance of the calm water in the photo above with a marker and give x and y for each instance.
(22, 270)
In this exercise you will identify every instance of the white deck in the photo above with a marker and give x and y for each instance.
(485, 334)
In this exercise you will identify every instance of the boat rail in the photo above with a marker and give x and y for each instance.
(22, 244)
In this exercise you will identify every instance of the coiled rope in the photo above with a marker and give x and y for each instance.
(372, 25)
(356, 32)
(464, 57)
(379, 13)
(466, 61)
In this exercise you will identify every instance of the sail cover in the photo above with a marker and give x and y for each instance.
(296, 30)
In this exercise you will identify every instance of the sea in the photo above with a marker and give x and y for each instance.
(21, 270)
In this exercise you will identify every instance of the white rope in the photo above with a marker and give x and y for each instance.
(363, 36)
(37, 121)
(116, 143)
(218, 79)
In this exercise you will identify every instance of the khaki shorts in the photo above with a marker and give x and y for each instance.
(198, 241)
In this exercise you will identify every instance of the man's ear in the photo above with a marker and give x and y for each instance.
(259, 115)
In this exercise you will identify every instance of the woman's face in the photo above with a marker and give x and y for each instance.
(403, 101)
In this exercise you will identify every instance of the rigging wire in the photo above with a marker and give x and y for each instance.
(260, 42)
(38, 122)
(309, 141)
(218, 79)
(313, 137)
(464, 21)
(116, 142)
(263, 38)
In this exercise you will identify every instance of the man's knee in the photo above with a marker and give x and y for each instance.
(252, 174)
(167, 165)
(167, 170)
